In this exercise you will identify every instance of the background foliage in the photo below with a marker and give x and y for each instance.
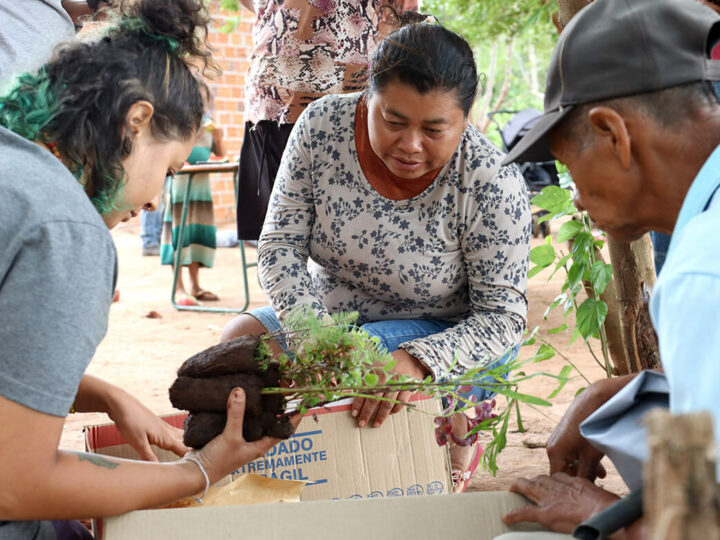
(512, 41)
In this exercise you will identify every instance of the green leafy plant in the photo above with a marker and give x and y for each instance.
(574, 251)
(330, 359)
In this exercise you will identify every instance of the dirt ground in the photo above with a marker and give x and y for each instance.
(142, 354)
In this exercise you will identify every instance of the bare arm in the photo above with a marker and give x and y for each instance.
(80, 8)
(42, 482)
(137, 424)
(248, 4)
(219, 148)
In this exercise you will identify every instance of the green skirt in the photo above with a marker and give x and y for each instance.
(199, 240)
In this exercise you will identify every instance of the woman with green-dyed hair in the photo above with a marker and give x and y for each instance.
(86, 142)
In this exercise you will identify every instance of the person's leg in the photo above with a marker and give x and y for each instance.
(464, 459)
(150, 231)
(195, 289)
(180, 288)
(393, 333)
(480, 391)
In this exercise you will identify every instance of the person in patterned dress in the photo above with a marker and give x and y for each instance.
(389, 203)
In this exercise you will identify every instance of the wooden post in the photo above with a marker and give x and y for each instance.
(680, 491)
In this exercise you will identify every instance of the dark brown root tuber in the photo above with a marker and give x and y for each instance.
(205, 381)
(211, 394)
(202, 427)
(228, 358)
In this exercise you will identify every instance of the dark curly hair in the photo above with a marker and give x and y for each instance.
(80, 99)
(426, 57)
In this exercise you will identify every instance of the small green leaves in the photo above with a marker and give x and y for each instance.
(554, 199)
(568, 230)
(582, 244)
(521, 428)
(371, 379)
(590, 316)
(525, 398)
(558, 329)
(600, 276)
(543, 255)
(563, 378)
(545, 352)
(584, 273)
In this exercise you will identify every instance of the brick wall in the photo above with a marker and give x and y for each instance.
(232, 52)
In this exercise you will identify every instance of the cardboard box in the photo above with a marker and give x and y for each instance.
(472, 516)
(369, 468)
(338, 460)
(334, 457)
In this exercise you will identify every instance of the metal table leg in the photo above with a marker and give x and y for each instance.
(178, 252)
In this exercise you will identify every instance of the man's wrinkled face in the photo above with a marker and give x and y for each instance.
(602, 188)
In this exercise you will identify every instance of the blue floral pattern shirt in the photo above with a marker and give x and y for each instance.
(458, 251)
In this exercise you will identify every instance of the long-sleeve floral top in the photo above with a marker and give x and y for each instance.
(457, 252)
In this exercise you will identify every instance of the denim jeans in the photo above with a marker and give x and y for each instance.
(391, 334)
(661, 244)
(151, 222)
(150, 228)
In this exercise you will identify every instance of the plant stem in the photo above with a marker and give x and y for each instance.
(603, 336)
(567, 360)
(605, 351)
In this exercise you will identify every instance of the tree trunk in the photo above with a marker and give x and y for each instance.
(634, 276)
(680, 495)
(504, 88)
(487, 91)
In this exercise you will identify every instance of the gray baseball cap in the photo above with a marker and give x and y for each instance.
(618, 48)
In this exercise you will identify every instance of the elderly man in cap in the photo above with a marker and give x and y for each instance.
(630, 109)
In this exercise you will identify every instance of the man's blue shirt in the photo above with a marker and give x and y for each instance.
(685, 305)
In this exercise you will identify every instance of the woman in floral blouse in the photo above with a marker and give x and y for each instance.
(390, 204)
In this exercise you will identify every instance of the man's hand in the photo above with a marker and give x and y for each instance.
(561, 502)
(367, 410)
(568, 451)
